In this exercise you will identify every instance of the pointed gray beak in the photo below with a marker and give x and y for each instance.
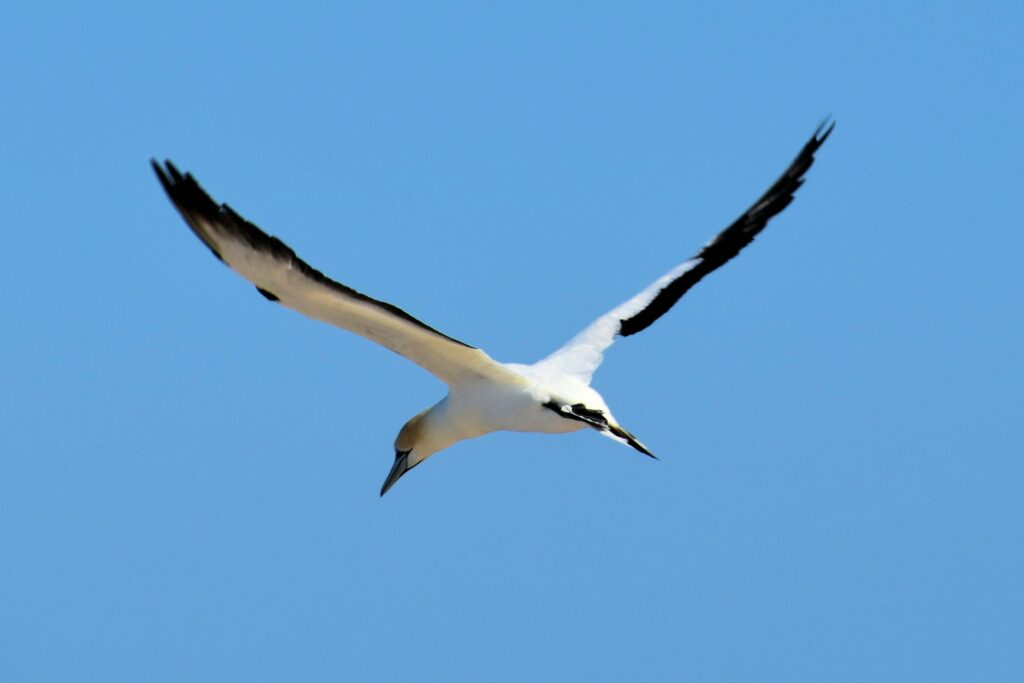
(400, 467)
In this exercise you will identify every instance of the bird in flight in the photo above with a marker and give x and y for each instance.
(551, 396)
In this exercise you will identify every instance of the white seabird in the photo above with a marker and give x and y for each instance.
(550, 396)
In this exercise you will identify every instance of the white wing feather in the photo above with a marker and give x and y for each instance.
(584, 353)
(282, 276)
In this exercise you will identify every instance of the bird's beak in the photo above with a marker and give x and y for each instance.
(400, 467)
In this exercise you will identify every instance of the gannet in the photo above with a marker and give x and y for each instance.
(551, 396)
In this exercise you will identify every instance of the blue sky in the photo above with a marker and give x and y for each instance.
(189, 476)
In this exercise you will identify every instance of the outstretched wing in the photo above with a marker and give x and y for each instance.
(281, 276)
(583, 354)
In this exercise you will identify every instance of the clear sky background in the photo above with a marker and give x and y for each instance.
(189, 476)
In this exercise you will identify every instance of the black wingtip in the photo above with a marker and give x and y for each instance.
(165, 170)
(161, 175)
(824, 129)
(190, 200)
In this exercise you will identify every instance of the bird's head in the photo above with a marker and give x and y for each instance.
(413, 445)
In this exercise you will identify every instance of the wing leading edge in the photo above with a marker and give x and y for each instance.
(280, 275)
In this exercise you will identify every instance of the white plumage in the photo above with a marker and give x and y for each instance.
(551, 396)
